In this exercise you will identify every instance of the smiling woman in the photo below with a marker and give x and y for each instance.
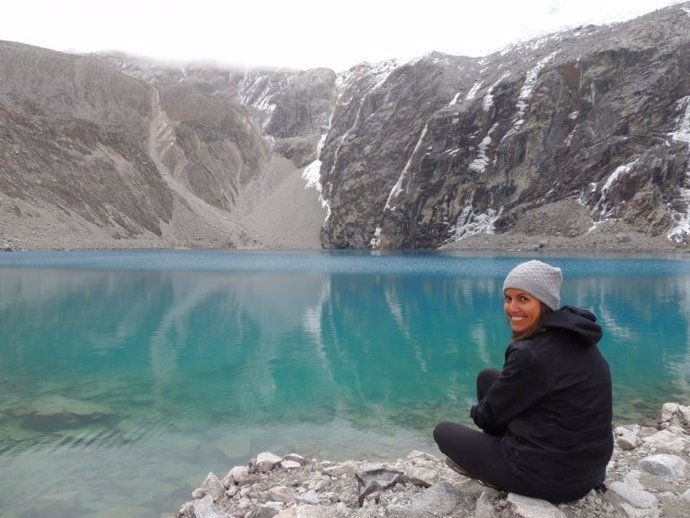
(547, 416)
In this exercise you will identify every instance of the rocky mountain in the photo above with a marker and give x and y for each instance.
(553, 137)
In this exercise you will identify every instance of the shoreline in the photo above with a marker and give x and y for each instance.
(647, 476)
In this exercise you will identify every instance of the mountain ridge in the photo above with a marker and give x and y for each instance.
(109, 150)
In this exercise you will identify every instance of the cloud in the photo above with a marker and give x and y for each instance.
(299, 33)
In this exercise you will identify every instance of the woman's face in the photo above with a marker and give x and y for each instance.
(521, 308)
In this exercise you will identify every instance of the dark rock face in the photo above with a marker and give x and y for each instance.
(599, 115)
(417, 155)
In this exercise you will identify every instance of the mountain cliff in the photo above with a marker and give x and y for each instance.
(553, 137)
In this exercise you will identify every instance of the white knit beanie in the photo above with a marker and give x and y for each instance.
(540, 280)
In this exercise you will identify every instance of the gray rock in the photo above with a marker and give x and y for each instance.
(664, 465)
(205, 508)
(265, 461)
(484, 507)
(238, 475)
(264, 511)
(388, 490)
(441, 499)
(628, 437)
(671, 439)
(673, 414)
(51, 413)
(526, 507)
(56, 505)
(621, 492)
(212, 486)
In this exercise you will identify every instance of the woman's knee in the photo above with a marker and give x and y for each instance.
(485, 379)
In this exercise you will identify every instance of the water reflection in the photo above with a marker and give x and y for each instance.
(208, 367)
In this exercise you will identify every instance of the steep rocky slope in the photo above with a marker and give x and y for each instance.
(553, 140)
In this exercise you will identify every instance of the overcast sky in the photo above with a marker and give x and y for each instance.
(300, 33)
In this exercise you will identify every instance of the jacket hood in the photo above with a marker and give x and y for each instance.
(576, 321)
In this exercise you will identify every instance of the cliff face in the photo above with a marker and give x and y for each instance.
(416, 155)
(448, 147)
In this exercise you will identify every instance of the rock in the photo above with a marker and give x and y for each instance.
(664, 465)
(671, 439)
(290, 464)
(484, 507)
(673, 414)
(205, 508)
(56, 505)
(620, 492)
(238, 475)
(628, 437)
(308, 511)
(421, 486)
(264, 511)
(265, 461)
(344, 468)
(294, 457)
(441, 499)
(211, 486)
(526, 507)
(51, 413)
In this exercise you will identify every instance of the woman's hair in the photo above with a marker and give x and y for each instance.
(534, 328)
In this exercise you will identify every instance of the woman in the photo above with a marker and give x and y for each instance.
(546, 417)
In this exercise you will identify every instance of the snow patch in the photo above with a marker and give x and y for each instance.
(397, 188)
(481, 162)
(312, 177)
(488, 100)
(681, 230)
(472, 223)
(526, 93)
(606, 210)
(473, 91)
(455, 100)
(376, 240)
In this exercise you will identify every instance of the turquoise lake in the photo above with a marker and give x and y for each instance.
(199, 360)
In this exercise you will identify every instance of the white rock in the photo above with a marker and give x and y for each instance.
(628, 437)
(236, 476)
(484, 508)
(526, 507)
(671, 439)
(205, 508)
(345, 468)
(664, 465)
(628, 511)
(295, 457)
(281, 494)
(686, 495)
(673, 414)
(213, 486)
(290, 464)
(626, 493)
(266, 461)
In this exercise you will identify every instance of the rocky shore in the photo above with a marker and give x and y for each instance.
(648, 476)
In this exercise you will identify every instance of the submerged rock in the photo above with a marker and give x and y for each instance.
(53, 413)
(642, 482)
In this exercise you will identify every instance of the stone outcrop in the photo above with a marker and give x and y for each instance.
(648, 476)
(424, 154)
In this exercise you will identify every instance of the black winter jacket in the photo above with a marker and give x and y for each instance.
(554, 400)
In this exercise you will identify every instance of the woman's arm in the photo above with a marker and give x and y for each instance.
(520, 385)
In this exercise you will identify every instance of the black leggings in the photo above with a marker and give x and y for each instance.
(480, 454)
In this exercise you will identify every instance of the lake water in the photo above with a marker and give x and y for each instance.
(185, 362)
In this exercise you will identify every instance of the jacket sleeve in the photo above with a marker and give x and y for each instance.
(520, 385)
